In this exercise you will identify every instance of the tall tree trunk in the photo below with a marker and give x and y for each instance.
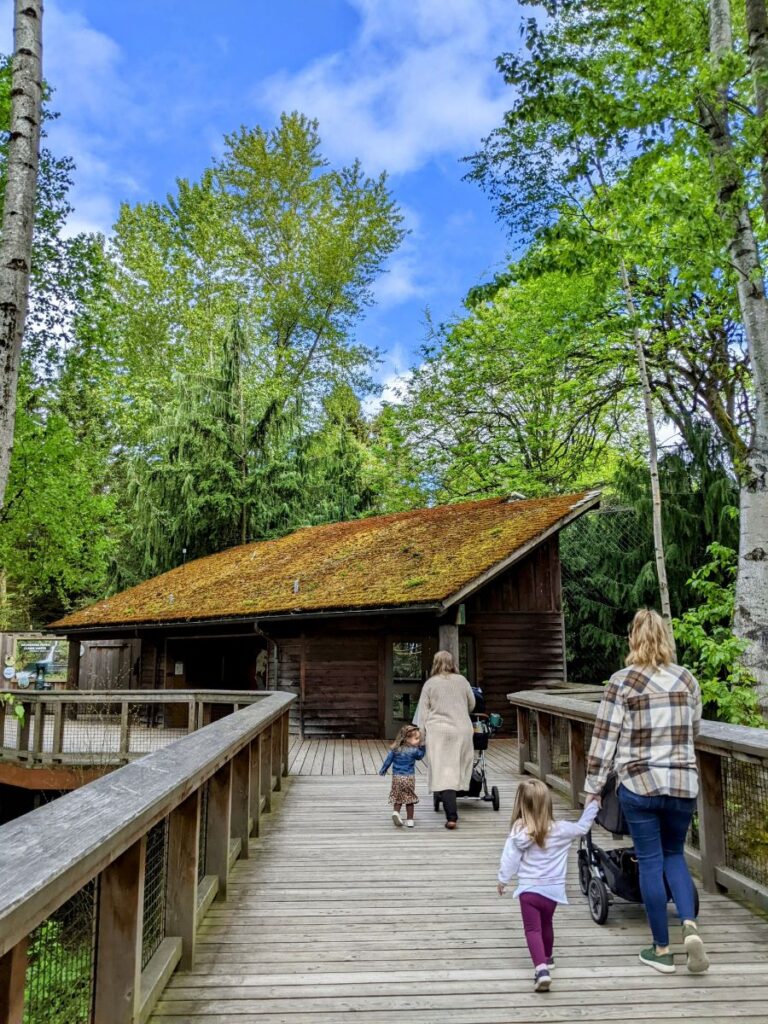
(19, 212)
(757, 35)
(653, 458)
(751, 616)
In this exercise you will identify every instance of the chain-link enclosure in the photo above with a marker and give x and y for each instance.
(61, 953)
(203, 832)
(745, 798)
(560, 754)
(155, 880)
(533, 738)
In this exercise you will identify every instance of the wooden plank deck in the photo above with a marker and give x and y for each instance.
(339, 915)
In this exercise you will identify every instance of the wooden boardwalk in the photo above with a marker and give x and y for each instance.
(337, 915)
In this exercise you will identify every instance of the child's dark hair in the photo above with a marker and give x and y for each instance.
(402, 737)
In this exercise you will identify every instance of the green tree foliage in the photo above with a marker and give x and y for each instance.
(523, 394)
(708, 647)
(608, 568)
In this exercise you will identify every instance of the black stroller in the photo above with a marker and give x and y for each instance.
(606, 874)
(484, 728)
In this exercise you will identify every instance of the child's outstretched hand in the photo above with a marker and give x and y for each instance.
(500, 887)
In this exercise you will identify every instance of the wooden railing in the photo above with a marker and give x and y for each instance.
(113, 878)
(729, 839)
(103, 728)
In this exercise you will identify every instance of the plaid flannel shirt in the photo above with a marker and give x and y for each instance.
(645, 728)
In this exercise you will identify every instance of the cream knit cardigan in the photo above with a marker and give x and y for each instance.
(444, 707)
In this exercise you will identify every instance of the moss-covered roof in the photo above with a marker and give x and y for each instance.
(410, 558)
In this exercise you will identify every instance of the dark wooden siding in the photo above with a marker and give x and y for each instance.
(516, 623)
(289, 677)
(341, 686)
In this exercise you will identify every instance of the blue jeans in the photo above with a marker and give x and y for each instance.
(658, 826)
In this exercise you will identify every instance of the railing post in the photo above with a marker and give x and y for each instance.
(576, 761)
(125, 727)
(118, 944)
(241, 797)
(191, 716)
(218, 827)
(711, 818)
(286, 724)
(57, 741)
(13, 973)
(256, 760)
(544, 736)
(23, 733)
(523, 739)
(266, 767)
(39, 728)
(277, 754)
(181, 894)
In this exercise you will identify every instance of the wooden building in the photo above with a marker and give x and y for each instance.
(349, 615)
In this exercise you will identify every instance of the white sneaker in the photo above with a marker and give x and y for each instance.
(409, 824)
(397, 821)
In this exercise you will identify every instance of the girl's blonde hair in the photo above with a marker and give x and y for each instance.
(533, 808)
(442, 663)
(649, 640)
(402, 736)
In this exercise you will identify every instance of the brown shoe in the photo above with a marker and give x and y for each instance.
(450, 824)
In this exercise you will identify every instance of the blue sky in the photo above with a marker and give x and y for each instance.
(146, 90)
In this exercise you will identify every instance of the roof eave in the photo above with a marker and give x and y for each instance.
(589, 501)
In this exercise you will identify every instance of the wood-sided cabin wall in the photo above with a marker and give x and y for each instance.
(516, 624)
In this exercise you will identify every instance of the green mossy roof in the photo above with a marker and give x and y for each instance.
(418, 557)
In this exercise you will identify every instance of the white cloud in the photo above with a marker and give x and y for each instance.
(417, 83)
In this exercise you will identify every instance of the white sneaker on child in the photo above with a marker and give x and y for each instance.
(397, 821)
(409, 823)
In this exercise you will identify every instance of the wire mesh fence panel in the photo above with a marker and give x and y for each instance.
(745, 795)
(60, 966)
(533, 738)
(201, 866)
(155, 880)
(693, 839)
(561, 757)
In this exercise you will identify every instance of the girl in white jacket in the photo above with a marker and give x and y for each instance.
(537, 853)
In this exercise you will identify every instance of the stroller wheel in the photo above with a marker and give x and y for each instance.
(597, 897)
(436, 801)
(495, 797)
(584, 873)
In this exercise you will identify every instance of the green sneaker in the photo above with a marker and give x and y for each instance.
(663, 962)
(698, 961)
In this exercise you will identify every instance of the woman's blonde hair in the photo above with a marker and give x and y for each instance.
(402, 737)
(649, 640)
(443, 662)
(533, 807)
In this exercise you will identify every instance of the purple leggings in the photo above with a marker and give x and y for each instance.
(538, 912)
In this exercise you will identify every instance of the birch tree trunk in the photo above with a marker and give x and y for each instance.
(757, 36)
(18, 212)
(653, 461)
(751, 615)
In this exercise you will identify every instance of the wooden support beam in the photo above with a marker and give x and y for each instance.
(544, 736)
(39, 728)
(448, 639)
(523, 739)
(218, 827)
(711, 818)
(58, 728)
(241, 798)
(125, 727)
(73, 665)
(181, 893)
(256, 759)
(119, 933)
(576, 760)
(13, 973)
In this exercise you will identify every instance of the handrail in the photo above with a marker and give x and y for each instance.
(733, 781)
(63, 727)
(100, 830)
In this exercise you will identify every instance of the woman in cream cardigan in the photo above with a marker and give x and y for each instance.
(444, 707)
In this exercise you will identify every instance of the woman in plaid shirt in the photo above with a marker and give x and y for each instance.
(645, 730)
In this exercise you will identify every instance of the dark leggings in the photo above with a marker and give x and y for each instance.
(538, 911)
(448, 796)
